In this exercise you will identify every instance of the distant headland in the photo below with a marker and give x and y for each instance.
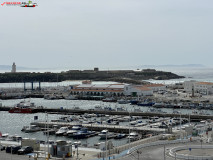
(122, 76)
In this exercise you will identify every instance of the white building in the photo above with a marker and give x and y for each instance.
(137, 90)
(199, 87)
(188, 85)
(204, 87)
(117, 89)
(13, 68)
(98, 89)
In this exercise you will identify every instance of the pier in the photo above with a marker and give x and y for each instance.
(125, 113)
(99, 127)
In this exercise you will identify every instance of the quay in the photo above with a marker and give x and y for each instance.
(125, 113)
(99, 127)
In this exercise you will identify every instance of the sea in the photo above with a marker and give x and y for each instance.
(13, 123)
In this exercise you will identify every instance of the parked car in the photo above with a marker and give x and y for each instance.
(25, 150)
(14, 149)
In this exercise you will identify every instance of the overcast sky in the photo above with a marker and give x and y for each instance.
(107, 33)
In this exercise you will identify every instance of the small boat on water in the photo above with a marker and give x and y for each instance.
(83, 133)
(74, 130)
(106, 134)
(23, 107)
(120, 136)
(62, 131)
(109, 100)
(70, 97)
(122, 101)
(133, 136)
(30, 128)
(145, 103)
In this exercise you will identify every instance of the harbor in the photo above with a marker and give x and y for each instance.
(118, 122)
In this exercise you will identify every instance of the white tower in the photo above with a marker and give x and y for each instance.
(13, 68)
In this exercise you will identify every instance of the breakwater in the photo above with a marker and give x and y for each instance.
(125, 113)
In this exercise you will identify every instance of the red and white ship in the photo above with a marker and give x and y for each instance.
(23, 107)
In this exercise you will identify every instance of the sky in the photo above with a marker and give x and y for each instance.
(106, 33)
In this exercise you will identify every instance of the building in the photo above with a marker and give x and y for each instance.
(116, 89)
(13, 68)
(204, 88)
(156, 87)
(98, 89)
(188, 85)
(137, 90)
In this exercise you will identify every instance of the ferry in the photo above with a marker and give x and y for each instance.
(23, 107)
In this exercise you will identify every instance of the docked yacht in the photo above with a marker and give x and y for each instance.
(120, 136)
(83, 133)
(106, 134)
(74, 129)
(31, 128)
(133, 136)
(62, 131)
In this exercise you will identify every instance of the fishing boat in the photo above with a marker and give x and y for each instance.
(23, 107)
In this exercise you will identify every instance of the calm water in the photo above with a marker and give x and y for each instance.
(13, 123)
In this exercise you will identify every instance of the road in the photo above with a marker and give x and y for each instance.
(154, 152)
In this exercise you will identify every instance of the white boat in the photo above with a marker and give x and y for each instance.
(133, 136)
(122, 101)
(70, 97)
(133, 122)
(105, 134)
(31, 128)
(62, 131)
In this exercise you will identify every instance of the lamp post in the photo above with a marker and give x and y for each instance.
(180, 124)
(129, 130)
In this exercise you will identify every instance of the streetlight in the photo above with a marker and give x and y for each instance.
(180, 124)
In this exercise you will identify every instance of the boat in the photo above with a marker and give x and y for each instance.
(23, 107)
(106, 134)
(120, 136)
(30, 128)
(134, 101)
(145, 103)
(83, 133)
(109, 100)
(70, 97)
(62, 131)
(133, 136)
(123, 101)
(74, 129)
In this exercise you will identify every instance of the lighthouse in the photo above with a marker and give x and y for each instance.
(13, 68)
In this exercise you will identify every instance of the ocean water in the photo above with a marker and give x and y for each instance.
(190, 73)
